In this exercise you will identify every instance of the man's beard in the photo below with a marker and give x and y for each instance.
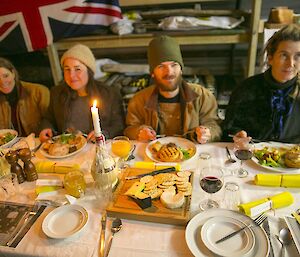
(168, 87)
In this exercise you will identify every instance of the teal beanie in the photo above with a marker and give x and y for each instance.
(163, 49)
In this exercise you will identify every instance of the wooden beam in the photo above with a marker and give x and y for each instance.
(54, 63)
(252, 51)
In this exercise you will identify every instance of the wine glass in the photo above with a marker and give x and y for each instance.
(243, 150)
(211, 181)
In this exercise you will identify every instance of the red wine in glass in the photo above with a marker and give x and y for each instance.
(243, 154)
(211, 181)
(211, 184)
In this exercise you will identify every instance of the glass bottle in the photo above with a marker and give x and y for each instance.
(103, 171)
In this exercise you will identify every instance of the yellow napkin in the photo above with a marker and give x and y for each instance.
(277, 180)
(53, 167)
(156, 166)
(44, 189)
(278, 201)
(297, 217)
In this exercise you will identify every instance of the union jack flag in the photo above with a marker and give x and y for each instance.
(28, 25)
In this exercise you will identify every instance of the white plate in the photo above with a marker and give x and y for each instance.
(62, 156)
(196, 245)
(218, 227)
(65, 221)
(179, 141)
(274, 145)
(11, 142)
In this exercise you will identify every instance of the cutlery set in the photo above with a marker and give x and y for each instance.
(257, 222)
(115, 227)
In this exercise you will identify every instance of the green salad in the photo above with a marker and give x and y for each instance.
(66, 138)
(5, 138)
(271, 157)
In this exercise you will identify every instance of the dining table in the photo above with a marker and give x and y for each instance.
(142, 238)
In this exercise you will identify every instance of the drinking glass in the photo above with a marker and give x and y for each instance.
(121, 147)
(243, 150)
(74, 183)
(232, 195)
(211, 181)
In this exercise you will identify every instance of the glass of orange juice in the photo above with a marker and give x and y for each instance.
(74, 183)
(121, 146)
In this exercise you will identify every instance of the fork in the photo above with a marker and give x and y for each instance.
(258, 221)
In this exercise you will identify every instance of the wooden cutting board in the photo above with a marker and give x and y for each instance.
(124, 207)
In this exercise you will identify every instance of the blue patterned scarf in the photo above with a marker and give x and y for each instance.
(281, 103)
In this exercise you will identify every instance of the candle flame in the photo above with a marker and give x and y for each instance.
(95, 104)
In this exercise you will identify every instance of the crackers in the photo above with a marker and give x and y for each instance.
(156, 185)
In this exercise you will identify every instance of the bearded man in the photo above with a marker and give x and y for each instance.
(171, 106)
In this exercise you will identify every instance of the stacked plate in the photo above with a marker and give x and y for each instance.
(207, 227)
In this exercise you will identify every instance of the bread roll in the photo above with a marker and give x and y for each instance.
(292, 157)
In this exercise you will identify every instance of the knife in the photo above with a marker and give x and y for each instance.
(22, 232)
(266, 227)
(102, 235)
(167, 170)
(296, 216)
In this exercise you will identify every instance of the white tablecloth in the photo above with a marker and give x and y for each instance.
(143, 239)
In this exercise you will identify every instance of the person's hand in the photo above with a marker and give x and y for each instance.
(241, 138)
(45, 134)
(146, 134)
(203, 134)
(91, 137)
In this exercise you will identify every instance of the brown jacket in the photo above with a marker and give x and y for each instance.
(32, 104)
(200, 109)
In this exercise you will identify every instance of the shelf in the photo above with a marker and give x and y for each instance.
(126, 3)
(199, 37)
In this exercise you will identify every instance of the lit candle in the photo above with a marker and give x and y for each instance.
(96, 121)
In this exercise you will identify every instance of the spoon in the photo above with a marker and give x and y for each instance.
(116, 227)
(131, 156)
(230, 159)
(285, 239)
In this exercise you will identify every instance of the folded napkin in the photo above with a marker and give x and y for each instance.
(277, 180)
(273, 202)
(53, 167)
(156, 166)
(45, 189)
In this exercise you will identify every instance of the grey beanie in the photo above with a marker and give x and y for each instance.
(163, 49)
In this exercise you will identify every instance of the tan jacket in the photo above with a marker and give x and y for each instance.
(200, 108)
(33, 103)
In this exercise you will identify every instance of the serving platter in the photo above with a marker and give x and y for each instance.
(124, 207)
(179, 141)
(279, 146)
(12, 141)
(47, 155)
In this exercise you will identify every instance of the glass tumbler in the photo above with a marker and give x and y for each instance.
(231, 195)
(74, 183)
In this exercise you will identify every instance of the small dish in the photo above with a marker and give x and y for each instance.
(3, 132)
(218, 227)
(65, 221)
